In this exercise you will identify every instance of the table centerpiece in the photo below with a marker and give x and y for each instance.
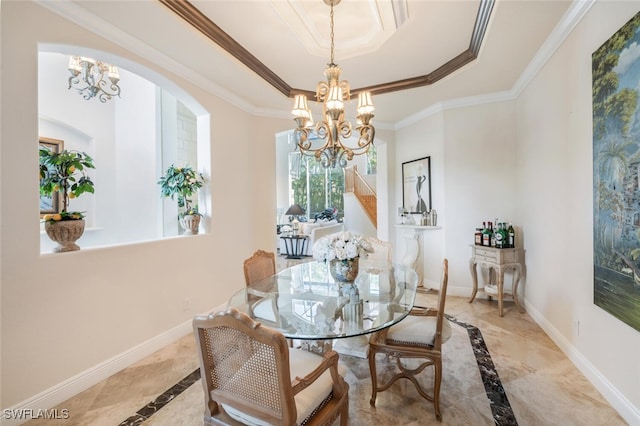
(342, 251)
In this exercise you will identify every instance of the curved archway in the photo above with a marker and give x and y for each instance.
(132, 138)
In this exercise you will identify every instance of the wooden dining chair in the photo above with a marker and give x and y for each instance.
(418, 336)
(260, 265)
(251, 376)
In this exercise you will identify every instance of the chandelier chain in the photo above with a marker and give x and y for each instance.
(331, 32)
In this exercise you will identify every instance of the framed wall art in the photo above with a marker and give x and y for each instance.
(416, 185)
(50, 204)
(616, 174)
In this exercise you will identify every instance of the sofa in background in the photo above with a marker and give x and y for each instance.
(314, 231)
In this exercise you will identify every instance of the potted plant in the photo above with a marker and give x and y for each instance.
(183, 183)
(64, 174)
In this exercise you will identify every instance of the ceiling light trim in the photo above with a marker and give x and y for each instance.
(198, 20)
(400, 11)
(296, 15)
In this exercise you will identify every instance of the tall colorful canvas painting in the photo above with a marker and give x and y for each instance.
(616, 174)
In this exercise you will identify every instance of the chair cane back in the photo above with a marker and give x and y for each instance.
(251, 376)
(259, 266)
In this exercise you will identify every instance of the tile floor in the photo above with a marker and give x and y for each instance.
(542, 387)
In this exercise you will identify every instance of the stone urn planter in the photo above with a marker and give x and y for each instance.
(65, 233)
(190, 223)
(183, 183)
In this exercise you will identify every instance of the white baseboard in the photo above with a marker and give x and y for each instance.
(617, 400)
(61, 392)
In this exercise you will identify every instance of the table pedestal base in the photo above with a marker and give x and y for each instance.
(319, 347)
(355, 346)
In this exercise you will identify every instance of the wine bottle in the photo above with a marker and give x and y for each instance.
(500, 236)
(486, 237)
(493, 233)
(511, 236)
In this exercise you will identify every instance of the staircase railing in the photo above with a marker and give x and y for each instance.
(355, 183)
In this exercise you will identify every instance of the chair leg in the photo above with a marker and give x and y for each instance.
(436, 388)
(374, 378)
(344, 415)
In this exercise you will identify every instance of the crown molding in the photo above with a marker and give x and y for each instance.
(200, 22)
(571, 18)
(102, 28)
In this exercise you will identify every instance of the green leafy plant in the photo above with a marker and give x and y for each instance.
(182, 183)
(65, 173)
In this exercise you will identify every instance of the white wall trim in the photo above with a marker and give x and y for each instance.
(87, 20)
(617, 400)
(96, 25)
(455, 103)
(571, 18)
(66, 389)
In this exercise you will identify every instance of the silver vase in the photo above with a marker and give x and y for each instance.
(344, 271)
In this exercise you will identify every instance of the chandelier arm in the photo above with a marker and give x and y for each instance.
(104, 97)
(104, 85)
(346, 90)
(73, 80)
(322, 90)
(305, 144)
(367, 135)
(344, 130)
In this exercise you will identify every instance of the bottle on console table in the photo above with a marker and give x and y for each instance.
(486, 235)
(501, 236)
(511, 233)
(478, 236)
(494, 229)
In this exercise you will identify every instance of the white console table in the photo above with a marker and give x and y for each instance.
(412, 255)
(499, 260)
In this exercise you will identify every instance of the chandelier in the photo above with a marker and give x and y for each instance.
(333, 129)
(93, 78)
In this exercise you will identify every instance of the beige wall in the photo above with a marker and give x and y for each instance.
(64, 314)
(555, 181)
(529, 160)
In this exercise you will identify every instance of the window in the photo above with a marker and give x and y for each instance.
(372, 160)
(314, 187)
(132, 139)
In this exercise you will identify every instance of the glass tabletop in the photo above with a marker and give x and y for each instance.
(305, 302)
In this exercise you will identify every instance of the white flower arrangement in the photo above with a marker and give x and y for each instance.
(341, 246)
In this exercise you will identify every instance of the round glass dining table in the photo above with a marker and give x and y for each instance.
(304, 302)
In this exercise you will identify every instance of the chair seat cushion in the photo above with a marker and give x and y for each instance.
(301, 363)
(263, 309)
(418, 329)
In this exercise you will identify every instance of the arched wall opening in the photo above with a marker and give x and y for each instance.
(132, 139)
